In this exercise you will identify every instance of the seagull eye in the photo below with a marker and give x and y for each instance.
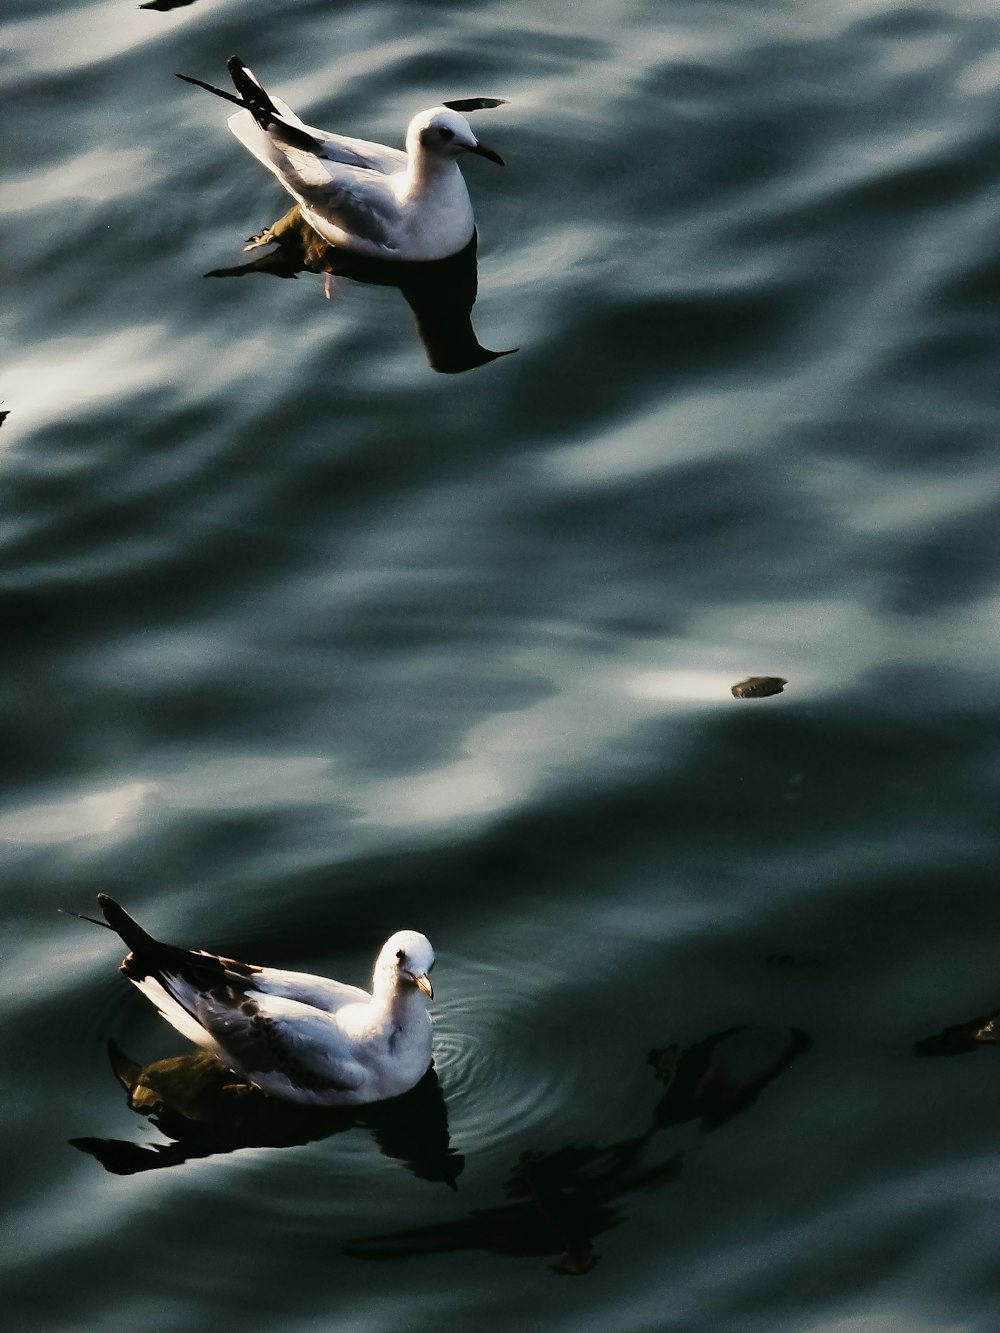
(400, 955)
(446, 133)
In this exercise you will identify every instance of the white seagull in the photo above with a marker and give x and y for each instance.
(300, 1038)
(365, 197)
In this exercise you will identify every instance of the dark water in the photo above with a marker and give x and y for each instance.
(306, 642)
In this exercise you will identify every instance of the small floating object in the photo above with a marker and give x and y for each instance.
(961, 1037)
(759, 687)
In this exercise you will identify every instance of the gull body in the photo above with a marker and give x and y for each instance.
(368, 198)
(301, 1038)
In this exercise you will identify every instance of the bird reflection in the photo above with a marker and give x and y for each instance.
(441, 293)
(558, 1203)
(196, 1102)
(721, 1076)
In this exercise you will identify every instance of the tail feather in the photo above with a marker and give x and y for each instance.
(255, 98)
(251, 96)
(131, 932)
(211, 88)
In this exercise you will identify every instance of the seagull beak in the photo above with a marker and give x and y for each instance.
(423, 982)
(482, 151)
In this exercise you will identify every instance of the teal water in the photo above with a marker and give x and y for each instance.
(306, 642)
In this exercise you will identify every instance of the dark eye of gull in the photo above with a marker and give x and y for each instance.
(446, 133)
(400, 956)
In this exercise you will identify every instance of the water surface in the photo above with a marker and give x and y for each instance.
(306, 642)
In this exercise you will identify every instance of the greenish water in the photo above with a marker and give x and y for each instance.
(306, 642)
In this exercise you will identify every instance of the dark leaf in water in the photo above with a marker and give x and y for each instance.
(961, 1037)
(164, 5)
(759, 687)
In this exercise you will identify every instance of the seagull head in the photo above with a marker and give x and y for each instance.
(443, 134)
(405, 962)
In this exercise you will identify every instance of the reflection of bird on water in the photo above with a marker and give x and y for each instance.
(441, 294)
(723, 1074)
(297, 1037)
(559, 1202)
(193, 1100)
(360, 196)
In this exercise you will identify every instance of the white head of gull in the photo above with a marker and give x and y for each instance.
(366, 197)
(298, 1037)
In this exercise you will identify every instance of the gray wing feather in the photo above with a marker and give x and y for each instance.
(266, 1035)
(341, 147)
(353, 198)
(343, 200)
(317, 992)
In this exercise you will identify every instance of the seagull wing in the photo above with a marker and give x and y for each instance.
(272, 1040)
(261, 1020)
(317, 992)
(353, 198)
(335, 147)
(266, 1037)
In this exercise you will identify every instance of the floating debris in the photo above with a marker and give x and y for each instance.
(759, 687)
(961, 1037)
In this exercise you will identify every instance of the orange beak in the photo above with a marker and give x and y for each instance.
(423, 982)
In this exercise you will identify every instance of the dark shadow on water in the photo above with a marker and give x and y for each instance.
(441, 293)
(557, 1203)
(723, 1075)
(198, 1104)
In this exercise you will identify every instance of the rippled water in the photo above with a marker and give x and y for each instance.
(306, 642)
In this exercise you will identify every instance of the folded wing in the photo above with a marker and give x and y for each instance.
(352, 197)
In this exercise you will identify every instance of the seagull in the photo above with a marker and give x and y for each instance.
(297, 1037)
(361, 196)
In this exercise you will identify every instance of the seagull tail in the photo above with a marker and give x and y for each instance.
(68, 911)
(211, 88)
(131, 932)
(252, 94)
(249, 95)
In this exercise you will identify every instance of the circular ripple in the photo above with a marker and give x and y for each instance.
(493, 1055)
